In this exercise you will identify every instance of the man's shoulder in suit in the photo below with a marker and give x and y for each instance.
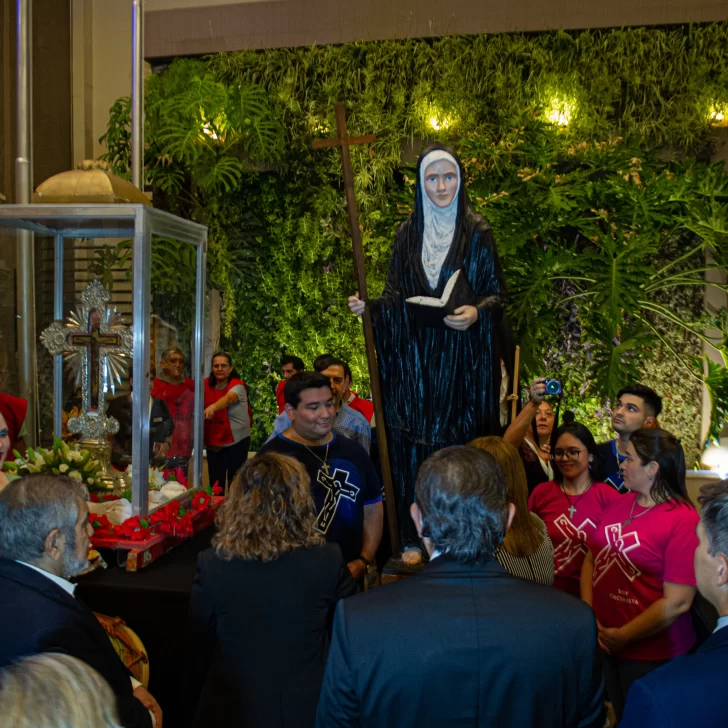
(470, 630)
(446, 578)
(689, 689)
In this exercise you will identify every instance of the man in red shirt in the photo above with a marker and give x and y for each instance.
(348, 396)
(177, 392)
(290, 365)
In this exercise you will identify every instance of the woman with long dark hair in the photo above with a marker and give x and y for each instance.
(530, 433)
(526, 550)
(441, 377)
(262, 601)
(228, 418)
(572, 503)
(639, 576)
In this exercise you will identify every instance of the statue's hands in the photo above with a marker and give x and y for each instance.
(356, 305)
(462, 318)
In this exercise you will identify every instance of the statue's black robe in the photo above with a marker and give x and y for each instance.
(440, 387)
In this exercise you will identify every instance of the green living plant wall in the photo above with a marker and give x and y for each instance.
(588, 152)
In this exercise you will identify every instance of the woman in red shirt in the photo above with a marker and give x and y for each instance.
(227, 421)
(572, 503)
(639, 576)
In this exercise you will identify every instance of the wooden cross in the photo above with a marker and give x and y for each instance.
(92, 340)
(345, 141)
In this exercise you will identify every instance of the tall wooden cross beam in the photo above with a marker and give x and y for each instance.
(345, 141)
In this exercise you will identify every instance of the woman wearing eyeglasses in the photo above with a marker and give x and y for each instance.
(639, 575)
(571, 505)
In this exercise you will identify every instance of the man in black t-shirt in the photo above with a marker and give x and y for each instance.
(637, 406)
(344, 484)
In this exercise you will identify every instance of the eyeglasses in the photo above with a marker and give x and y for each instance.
(571, 453)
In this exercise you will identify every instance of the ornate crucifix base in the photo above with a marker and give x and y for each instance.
(108, 477)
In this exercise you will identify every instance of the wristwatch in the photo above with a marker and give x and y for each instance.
(364, 560)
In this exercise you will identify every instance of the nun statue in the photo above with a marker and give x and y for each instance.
(440, 385)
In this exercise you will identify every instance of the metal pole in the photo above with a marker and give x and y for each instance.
(27, 377)
(142, 267)
(197, 356)
(137, 93)
(58, 358)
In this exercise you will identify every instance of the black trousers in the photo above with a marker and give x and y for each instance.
(223, 464)
(619, 676)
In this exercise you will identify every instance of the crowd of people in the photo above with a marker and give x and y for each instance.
(561, 574)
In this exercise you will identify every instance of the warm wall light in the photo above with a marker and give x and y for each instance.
(717, 116)
(559, 112)
(439, 122)
(209, 131)
(715, 457)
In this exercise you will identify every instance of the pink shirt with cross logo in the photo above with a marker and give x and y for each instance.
(570, 520)
(631, 564)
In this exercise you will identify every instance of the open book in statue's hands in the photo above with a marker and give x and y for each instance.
(430, 311)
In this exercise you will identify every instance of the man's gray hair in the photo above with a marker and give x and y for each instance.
(32, 507)
(172, 350)
(462, 497)
(714, 516)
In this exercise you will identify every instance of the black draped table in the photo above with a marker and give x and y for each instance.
(153, 602)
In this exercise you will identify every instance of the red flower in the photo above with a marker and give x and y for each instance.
(184, 526)
(134, 529)
(181, 477)
(216, 489)
(101, 521)
(201, 500)
(94, 498)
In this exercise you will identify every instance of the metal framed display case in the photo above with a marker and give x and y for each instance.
(143, 225)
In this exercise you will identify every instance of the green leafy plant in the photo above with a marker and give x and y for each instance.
(603, 225)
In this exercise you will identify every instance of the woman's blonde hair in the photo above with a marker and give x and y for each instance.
(269, 510)
(54, 690)
(524, 535)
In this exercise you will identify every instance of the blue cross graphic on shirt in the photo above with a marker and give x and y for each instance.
(337, 487)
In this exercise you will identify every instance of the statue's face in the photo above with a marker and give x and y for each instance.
(441, 182)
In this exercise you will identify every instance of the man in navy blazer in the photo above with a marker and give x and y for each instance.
(44, 540)
(463, 643)
(691, 690)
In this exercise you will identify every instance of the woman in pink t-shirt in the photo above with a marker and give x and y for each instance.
(639, 576)
(571, 505)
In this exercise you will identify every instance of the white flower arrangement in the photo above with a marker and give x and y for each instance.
(156, 478)
(61, 459)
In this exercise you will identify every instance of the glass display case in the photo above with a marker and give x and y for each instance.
(128, 295)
